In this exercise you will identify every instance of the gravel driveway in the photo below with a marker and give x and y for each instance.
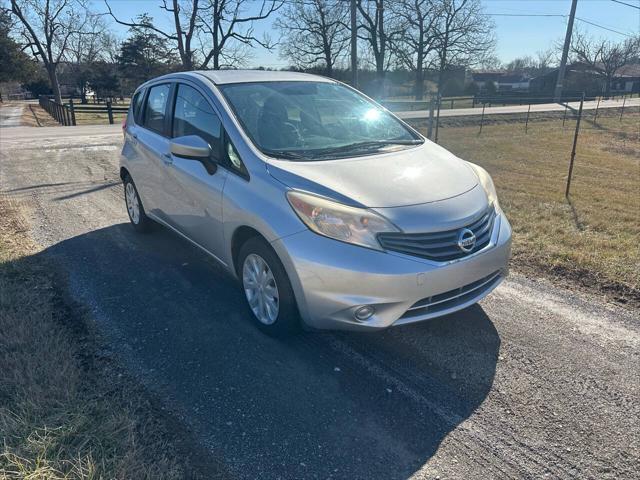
(11, 115)
(535, 381)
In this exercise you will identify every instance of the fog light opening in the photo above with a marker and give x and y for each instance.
(364, 313)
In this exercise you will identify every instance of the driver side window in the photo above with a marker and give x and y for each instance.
(193, 115)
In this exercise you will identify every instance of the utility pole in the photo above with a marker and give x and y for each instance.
(354, 45)
(565, 52)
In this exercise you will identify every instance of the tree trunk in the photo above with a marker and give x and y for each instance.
(419, 87)
(607, 87)
(53, 79)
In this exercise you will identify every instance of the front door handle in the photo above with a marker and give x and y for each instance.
(166, 158)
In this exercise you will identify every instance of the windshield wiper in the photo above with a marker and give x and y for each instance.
(365, 145)
(285, 154)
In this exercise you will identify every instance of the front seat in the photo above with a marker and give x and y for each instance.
(274, 129)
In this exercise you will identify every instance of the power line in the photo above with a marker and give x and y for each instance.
(523, 15)
(604, 28)
(625, 3)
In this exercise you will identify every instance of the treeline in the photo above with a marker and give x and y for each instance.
(416, 42)
(73, 44)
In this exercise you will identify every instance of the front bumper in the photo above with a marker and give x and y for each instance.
(332, 279)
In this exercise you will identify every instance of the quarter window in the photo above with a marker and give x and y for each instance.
(156, 107)
(137, 104)
(193, 115)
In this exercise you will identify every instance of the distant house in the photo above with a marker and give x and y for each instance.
(501, 80)
(578, 78)
(513, 81)
(582, 78)
(484, 77)
(627, 79)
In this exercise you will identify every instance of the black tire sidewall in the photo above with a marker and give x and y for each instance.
(288, 320)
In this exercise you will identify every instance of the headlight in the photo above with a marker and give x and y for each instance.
(487, 184)
(338, 221)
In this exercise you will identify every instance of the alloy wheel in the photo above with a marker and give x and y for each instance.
(260, 289)
(133, 205)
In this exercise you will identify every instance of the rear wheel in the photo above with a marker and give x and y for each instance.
(267, 288)
(137, 216)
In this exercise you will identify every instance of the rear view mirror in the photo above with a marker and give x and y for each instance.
(194, 147)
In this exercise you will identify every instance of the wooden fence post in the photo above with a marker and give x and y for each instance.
(482, 118)
(72, 112)
(564, 118)
(624, 100)
(573, 150)
(438, 119)
(430, 123)
(110, 112)
(526, 125)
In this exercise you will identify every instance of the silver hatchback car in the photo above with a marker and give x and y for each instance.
(331, 212)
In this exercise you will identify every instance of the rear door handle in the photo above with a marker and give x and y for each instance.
(134, 135)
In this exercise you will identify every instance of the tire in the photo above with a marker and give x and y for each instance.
(285, 320)
(137, 216)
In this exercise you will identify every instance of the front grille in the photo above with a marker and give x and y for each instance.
(440, 246)
(458, 296)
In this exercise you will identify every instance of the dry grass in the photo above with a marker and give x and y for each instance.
(65, 412)
(98, 118)
(36, 116)
(593, 239)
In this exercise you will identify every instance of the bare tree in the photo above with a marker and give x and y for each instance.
(314, 33)
(604, 56)
(545, 59)
(378, 27)
(184, 15)
(465, 35)
(211, 31)
(413, 48)
(228, 25)
(48, 27)
(93, 44)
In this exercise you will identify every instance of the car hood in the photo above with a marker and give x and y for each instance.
(417, 175)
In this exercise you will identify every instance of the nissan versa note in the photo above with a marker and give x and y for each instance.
(330, 211)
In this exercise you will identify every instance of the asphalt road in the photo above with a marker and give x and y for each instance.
(541, 107)
(535, 382)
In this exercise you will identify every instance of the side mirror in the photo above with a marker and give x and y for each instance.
(190, 146)
(194, 147)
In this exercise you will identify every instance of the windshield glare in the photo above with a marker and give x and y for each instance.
(314, 120)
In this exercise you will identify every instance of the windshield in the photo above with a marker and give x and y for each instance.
(314, 120)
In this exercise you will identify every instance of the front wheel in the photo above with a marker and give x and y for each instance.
(137, 216)
(267, 288)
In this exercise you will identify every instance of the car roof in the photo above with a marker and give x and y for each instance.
(221, 77)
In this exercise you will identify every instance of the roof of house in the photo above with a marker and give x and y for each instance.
(513, 78)
(487, 75)
(632, 70)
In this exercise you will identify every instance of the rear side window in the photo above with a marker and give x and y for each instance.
(136, 105)
(156, 107)
(193, 115)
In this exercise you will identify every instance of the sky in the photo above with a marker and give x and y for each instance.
(516, 35)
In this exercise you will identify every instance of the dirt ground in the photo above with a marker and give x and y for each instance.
(537, 381)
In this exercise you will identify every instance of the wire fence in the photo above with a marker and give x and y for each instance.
(574, 118)
(496, 99)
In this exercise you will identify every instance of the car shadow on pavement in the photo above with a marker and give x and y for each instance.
(326, 405)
